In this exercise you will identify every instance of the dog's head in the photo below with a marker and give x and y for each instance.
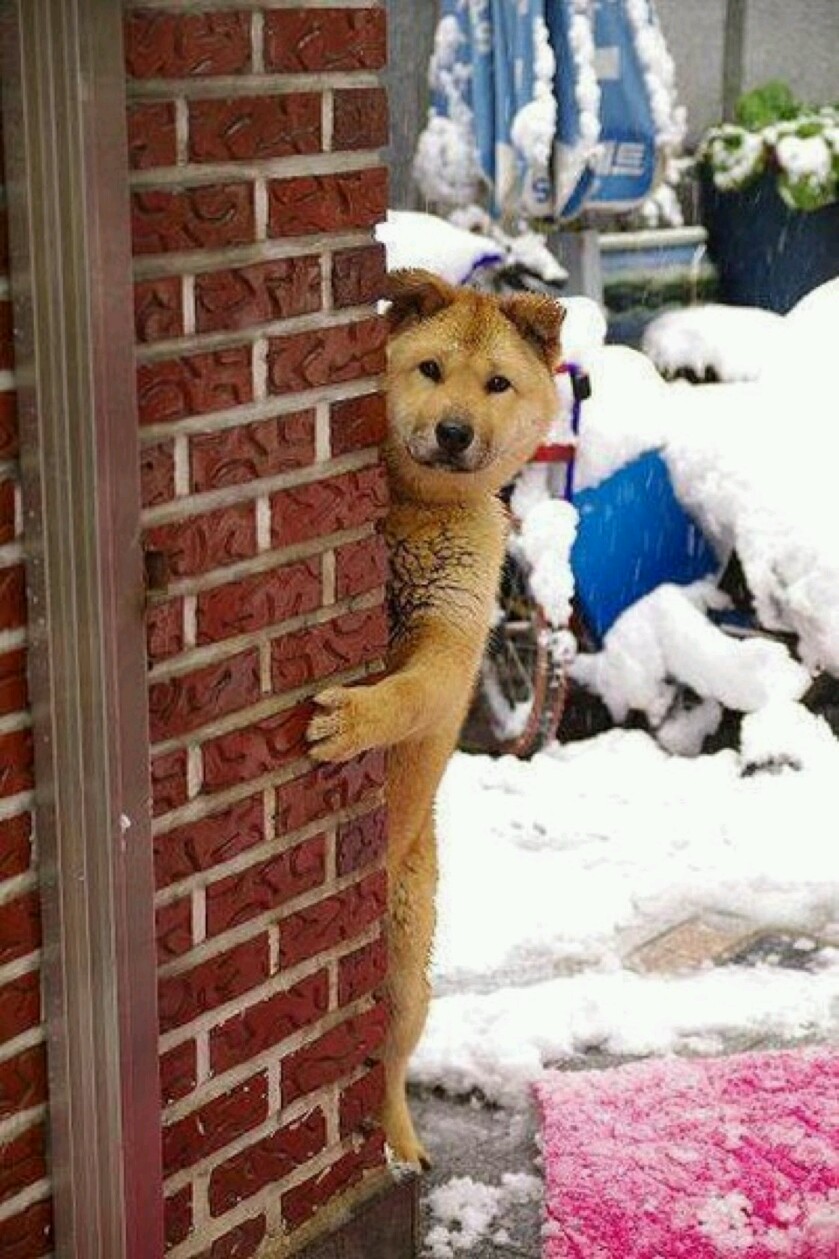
(471, 389)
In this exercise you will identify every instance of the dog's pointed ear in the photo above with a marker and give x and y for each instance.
(538, 318)
(415, 295)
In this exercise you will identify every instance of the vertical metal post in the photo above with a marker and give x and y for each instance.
(734, 48)
(64, 116)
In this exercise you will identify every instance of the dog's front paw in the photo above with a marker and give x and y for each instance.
(337, 733)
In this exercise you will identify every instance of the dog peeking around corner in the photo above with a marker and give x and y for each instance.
(471, 394)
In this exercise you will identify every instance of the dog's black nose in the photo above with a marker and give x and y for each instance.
(454, 436)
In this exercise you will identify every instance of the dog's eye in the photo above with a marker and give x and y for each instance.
(431, 370)
(498, 384)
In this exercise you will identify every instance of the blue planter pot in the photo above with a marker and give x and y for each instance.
(767, 254)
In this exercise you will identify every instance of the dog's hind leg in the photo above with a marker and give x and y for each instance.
(411, 929)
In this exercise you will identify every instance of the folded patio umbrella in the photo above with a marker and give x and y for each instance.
(544, 107)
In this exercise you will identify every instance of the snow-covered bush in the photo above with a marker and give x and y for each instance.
(775, 134)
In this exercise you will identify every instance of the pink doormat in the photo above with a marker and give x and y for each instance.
(727, 1158)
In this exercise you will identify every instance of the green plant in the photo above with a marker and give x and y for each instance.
(774, 132)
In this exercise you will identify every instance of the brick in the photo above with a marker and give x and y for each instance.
(241, 1242)
(329, 506)
(158, 308)
(240, 297)
(175, 220)
(334, 1055)
(168, 781)
(186, 45)
(209, 841)
(194, 384)
(361, 118)
(260, 748)
(7, 337)
(355, 423)
(259, 601)
(362, 972)
(29, 1234)
(265, 886)
(316, 653)
(308, 40)
(183, 997)
(361, 1101)
(188, 701)
(173, 929)
(20, 926)
(23, 1083)
(360, 567)
(22, 1161)
(358, 275)
(198, 544)
(254, 128)
(7, 511)
(178, 1071)
(15, 845)
(216, 1124)
(177, 1216)
(300, 1203)
(157, 474)
(267, 448)
(266, 1162)
(16, 762)
(327, 790)
(333, 920)
(20, 1006)
(326, 203)
(164, 630)
(258, 1027)
(362, 842)
(326, 356)
(151, 134)
(9, 445)
(13, 687)
(12, 597)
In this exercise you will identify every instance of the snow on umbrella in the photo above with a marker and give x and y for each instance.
(548, 106)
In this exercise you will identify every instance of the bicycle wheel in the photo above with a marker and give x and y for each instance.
(521, 687)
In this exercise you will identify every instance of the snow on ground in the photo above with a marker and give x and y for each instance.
(465, 1211)
(553, 870)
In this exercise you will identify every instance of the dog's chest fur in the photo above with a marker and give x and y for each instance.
(439, 570)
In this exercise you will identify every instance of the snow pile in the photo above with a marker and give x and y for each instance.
(412, 239)
(545, 537)
(588, 850)
(754, 463)
(732, 342)
(627, 414)
(664, 643)
(464, 1211)
(522, 246)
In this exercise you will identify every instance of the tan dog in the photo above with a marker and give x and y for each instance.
(471, 393)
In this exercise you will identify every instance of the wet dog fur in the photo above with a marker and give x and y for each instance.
(471, 393)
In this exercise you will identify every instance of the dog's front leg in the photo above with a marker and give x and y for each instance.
(406, 703)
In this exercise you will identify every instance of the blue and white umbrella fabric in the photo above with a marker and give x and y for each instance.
(544, 107)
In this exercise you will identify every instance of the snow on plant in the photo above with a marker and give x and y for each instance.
(446, 165)
(774, 133)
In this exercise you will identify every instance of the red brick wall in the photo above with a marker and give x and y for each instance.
(25, 1211)
(255, 137)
